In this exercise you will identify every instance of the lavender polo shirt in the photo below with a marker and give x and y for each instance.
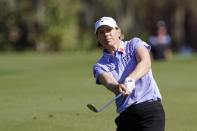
(120, 66)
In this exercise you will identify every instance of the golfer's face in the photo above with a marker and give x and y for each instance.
(108, 36)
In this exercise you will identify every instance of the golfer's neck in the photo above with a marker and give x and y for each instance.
(113, 49)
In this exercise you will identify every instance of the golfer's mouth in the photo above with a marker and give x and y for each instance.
(108, 40)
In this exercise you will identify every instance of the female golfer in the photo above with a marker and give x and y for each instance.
(126, 66)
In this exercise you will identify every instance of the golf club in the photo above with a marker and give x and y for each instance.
(93, 108)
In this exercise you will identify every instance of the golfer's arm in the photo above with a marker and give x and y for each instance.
(109, 82)
(144, 63)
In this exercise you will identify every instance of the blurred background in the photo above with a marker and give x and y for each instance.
(65, 25)
(48, 49)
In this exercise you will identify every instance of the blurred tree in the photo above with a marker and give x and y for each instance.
(39, 24)
(46, 25)
(139, 18)
(17, 23)
(59, 27)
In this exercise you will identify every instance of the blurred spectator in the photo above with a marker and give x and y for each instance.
(186, 51)
(160, 43)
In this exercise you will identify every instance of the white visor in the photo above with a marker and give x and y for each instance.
(109, 21)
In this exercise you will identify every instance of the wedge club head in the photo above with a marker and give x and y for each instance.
(92, 107)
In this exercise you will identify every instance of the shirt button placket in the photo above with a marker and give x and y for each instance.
(120, 66)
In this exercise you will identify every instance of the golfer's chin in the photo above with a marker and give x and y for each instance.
(109, 43)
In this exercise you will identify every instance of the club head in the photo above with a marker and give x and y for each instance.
(92, 107)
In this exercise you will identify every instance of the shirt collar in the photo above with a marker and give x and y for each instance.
(106, 55)
(121, 49)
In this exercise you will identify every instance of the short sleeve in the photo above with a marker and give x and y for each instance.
(137, 43)
(97, 71)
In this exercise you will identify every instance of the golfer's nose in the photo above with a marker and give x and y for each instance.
(106, 33)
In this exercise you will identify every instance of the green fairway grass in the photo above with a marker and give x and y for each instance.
(49, 92)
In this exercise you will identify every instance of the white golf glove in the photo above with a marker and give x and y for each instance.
(129, 83)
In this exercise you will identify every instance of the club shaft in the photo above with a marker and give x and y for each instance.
(120, 94)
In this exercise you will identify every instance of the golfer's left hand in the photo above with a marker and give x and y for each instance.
(130, 84)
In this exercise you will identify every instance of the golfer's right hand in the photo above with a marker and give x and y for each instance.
(122, 88)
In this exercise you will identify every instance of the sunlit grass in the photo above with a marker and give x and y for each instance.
(49, 92)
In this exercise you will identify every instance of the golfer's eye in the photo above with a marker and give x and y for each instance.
(101, 32)
(108, 30)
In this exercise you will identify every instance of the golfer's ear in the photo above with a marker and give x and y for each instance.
(118, 29)
(121, 35)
